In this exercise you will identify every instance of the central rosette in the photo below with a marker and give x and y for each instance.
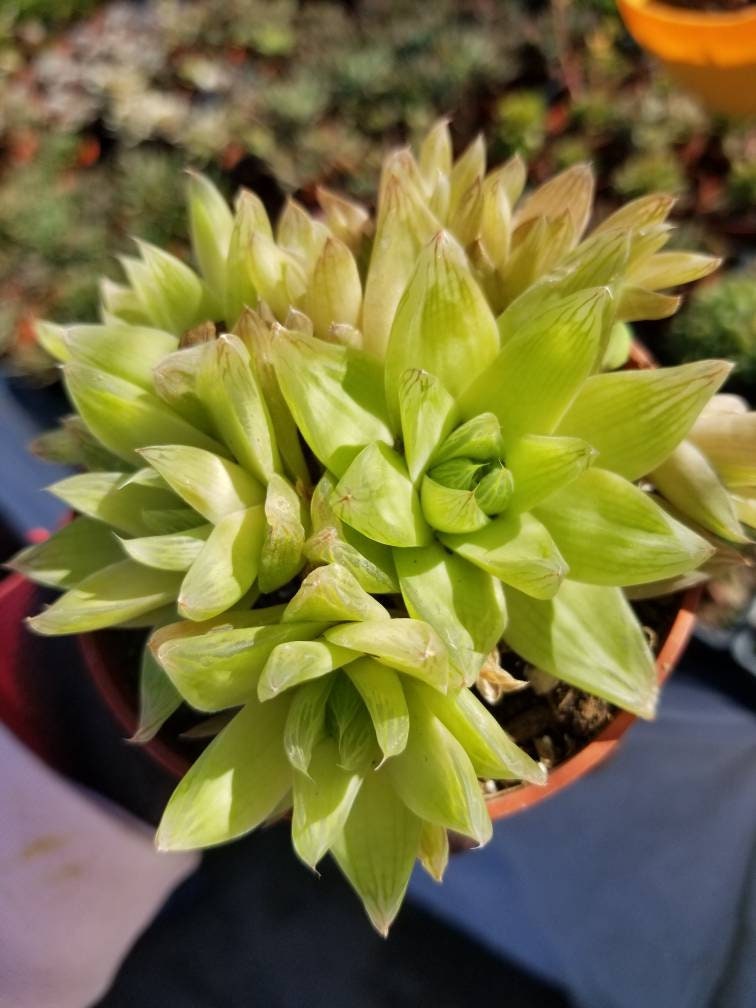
(467, 481)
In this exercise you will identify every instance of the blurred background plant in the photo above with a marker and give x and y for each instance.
(103, 104)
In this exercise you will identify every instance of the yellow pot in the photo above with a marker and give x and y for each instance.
(711, 53)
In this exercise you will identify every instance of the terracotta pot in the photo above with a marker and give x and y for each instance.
(710, 53)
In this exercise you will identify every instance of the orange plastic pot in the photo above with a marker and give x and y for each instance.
(710, 53)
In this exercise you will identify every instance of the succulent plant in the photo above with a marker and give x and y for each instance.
(355, 456)
(720, 320)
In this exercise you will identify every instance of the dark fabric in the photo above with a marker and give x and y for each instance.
(635, 888)
(253, 928)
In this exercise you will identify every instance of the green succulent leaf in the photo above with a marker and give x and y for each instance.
(409, 645)
(434, 777)
(234, 784)
(588, 636)
(516, 548)
(332, 594)
(478, 439)
(539, 371)
(323, 800)
(174, 379)
(635, 419)
(220, 666)
(443, 323)
(668, 269)
(225, 567)
(492, 752)
(281, 556)
(175, 551)
(168, 292)
(405, 225)
(570, 190)
(449, 510)
(728, 440)
(258, 339)
(382, 693)
(300, 660)
(305, 724)
(376, 497)
(434, 850)
(158, 699)
(229, 391)
(126, 351)
(212, 485)
(358, 747)
(239, 286)
(335, 395)
(116, 500)
(70, 555)
(125, 417)
(334, 295)
(463, 604)
(377, 848)
(690, 483)
(114, 594)
(428, 414)
(612, 533)
(369, 562)
(210, 224)
(541, 465)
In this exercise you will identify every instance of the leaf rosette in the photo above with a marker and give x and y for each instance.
(408, 444)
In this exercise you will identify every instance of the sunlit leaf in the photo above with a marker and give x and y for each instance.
(175, 551)
(409, 645)
(305, 723)
(443, 323)
(540, 465)
(323, 800)
(281, 556)
(220, 666)
(225, 567)
(516, 548)
(612, 533)
(491, 750)
(112, 595)
(587, 636)
(210, 225)
(126, 351)
(381, 690)
(229, 391)
(332, 594)
(463, 604)
(377, 848)
(300, 661)
(435, 778)
(233, 785)
(212, 485)
(689, 482)
(71, 554)
(428, 414)
(634, 419)
(125, 417)
(539, 370)
(376, 497)
(314, 377)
